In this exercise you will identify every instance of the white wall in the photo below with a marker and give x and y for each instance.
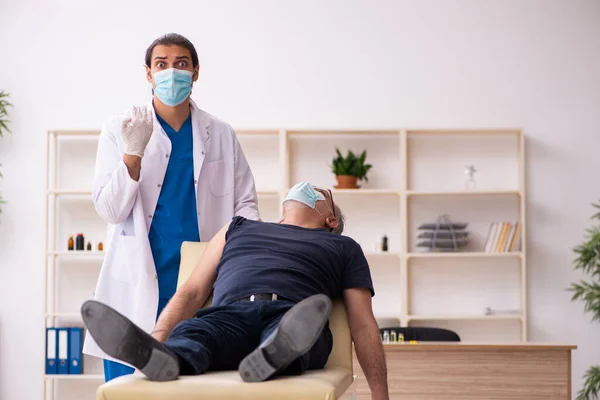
(534, 64)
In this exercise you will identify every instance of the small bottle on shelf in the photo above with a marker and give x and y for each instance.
(384, 245)
(377, 244)
(79, 242)
(89, 246)
(71, 243)
(100, 246)
(386, 336)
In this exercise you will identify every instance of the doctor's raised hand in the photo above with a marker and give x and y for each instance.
(184, 185)
(137, 130)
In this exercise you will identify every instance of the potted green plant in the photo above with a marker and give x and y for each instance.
(350, 169)
(588, 261)
(4, 104)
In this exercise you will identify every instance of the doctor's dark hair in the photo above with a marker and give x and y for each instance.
(172, 39)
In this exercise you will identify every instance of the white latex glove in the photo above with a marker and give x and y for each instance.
(137, 129)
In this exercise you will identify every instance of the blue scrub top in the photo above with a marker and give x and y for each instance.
(175, 218)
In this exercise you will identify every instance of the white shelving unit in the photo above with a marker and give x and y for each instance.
(70, 276)
(417, 175)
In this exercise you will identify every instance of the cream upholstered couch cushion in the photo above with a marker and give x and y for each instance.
(327, 384)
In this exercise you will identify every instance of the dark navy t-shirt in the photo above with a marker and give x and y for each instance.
(288, 260)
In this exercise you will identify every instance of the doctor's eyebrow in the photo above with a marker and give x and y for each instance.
(177, 58)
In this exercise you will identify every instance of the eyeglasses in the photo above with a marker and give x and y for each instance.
(323, 192)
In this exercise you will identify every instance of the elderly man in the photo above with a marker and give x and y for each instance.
(272, 288)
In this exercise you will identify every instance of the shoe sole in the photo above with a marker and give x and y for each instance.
(118, 337)
(297, 332)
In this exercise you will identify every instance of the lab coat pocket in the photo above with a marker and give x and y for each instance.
(126, 258)
(220, 176)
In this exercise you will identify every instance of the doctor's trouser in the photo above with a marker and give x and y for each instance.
(219, 337)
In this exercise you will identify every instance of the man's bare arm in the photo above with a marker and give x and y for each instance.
(193, 294)
(367, 342)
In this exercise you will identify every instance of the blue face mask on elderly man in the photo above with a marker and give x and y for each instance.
(305, 193)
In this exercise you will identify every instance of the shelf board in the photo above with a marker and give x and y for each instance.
(465, 254)
(361, 191)
(273, 192)
(382, 254)
(78, 253)
(463, 317)
(325, 132)
(71, 316)
(262, 132)
(88, 133)
(77, 377)
(69, 192)
(475, 192)
(468, 131)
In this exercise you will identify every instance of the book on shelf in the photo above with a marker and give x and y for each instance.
(503, 237)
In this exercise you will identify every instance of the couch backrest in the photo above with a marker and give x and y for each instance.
(341, 354)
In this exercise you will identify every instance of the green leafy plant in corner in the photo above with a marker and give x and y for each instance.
(4, 104)
(588, 261)
(352, 165)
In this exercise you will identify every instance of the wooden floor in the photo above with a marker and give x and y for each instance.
(474, 371)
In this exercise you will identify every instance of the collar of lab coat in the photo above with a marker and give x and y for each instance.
(201, 123)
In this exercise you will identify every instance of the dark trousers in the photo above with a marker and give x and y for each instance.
(219, 337)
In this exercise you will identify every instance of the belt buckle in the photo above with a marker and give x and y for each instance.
(273, 297)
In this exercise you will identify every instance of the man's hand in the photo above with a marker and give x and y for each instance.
(367, 342)
(137, 129)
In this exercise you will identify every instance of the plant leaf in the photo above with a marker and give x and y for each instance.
(591, 386)
(351, 164)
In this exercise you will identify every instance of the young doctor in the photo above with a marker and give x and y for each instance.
(166, 172)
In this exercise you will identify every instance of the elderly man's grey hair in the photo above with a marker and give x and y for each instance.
(341, 220)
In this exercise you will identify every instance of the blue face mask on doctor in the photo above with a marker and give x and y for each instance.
(173, 86)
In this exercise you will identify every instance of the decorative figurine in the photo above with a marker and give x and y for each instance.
(470, 171)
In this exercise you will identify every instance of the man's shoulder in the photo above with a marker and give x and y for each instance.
(350, 248)
(346, 241)
(238, 221)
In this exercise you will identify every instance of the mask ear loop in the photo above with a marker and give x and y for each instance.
(324, 219)
(329, 208)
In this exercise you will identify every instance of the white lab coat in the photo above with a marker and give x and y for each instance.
(224, 188)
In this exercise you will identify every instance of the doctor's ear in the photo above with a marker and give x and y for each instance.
(196, 73)
(148, 74)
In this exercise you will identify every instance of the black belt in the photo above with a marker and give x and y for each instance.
(263, 296)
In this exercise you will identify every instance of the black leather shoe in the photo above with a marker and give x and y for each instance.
(295, 335)
(120, 338)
